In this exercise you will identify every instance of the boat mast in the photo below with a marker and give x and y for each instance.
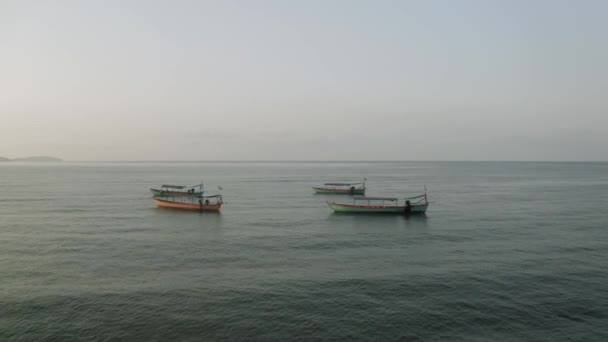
(425, 199)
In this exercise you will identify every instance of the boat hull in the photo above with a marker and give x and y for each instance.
(187, 206)
(339, 191)
(164, 193)
(379, 209)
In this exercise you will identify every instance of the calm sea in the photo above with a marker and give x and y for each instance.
(507, 252)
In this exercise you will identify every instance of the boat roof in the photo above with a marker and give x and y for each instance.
(181, 186)
(174, 186)
(343, 184)
(363, 198)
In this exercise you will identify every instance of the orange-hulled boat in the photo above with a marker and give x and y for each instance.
(195, 203)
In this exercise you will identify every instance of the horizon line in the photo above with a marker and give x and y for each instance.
(336, 161)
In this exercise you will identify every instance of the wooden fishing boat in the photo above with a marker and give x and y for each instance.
(382, 205)
(178, 190)
(194, 203)
(341, 188)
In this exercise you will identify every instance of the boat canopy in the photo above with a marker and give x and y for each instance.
(342, 184)
(363, 198)
(182, 186)
(174, 186)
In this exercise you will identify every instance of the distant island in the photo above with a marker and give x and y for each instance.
(44, 159)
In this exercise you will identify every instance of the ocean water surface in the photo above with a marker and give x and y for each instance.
(508, 251)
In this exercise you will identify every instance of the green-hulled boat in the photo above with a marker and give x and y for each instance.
(178, 190)
(382, 205)
(341, 188)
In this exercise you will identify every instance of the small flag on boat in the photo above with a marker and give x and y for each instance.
(220, 188)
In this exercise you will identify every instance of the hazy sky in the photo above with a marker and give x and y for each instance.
(304, 80)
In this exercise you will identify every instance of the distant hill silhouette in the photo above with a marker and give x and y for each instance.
(45, 159)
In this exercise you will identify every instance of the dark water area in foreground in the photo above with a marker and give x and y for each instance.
(508, 251)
